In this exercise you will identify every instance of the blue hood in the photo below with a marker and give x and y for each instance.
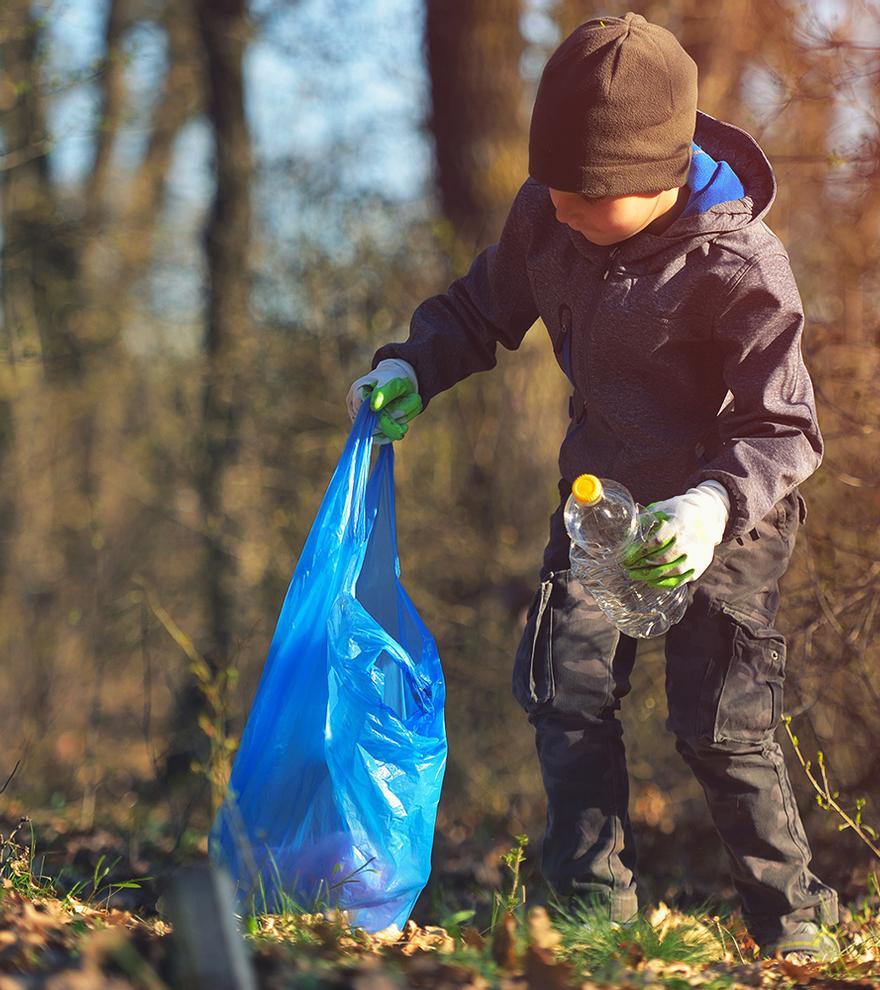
(710, 183)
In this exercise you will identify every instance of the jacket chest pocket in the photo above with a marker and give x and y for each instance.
(562, 340)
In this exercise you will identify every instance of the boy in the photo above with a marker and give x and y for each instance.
(638, 239)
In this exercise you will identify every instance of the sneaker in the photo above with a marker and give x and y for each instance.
(807, 944)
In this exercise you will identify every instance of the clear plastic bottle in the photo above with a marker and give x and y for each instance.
(602, 519)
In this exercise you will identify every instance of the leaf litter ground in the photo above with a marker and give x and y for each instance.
(85, 941)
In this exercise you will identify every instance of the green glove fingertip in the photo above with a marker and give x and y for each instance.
(672, 582)
(389, 427)
(391, 390)
(407, 408)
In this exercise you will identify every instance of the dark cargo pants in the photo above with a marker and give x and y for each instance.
(725, 666)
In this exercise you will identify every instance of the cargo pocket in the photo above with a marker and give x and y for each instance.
(749, 702)
(533, 666)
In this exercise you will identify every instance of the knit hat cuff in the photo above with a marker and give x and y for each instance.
(618, 178)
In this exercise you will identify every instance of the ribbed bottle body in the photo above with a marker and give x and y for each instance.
(599, 534)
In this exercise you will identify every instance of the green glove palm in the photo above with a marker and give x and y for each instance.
(637, 559)
(397, 402)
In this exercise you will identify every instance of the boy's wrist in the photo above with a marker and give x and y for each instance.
(715, 490)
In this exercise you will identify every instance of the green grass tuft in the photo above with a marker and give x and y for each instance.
(600, 947)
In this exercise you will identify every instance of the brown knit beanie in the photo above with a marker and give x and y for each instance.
(616, 110)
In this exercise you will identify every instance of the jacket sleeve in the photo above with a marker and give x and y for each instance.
(454, 334)
(771, 441)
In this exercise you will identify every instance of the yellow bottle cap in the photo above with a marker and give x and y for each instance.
(587, 489)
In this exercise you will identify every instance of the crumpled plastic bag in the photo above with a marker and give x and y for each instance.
(333, 794)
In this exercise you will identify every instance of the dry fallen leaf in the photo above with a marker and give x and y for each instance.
(472, 937)
(656, 916)
(541, 931)
(504, 943)
(543, 972)
(799, 973)
(390, 934)
(433, 936)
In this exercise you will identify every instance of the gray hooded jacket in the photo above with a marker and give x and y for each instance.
(655, 333)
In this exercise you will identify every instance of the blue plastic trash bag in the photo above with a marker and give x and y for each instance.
(333, 794)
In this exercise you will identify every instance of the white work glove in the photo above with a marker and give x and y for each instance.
(681, 545)
(394, 388)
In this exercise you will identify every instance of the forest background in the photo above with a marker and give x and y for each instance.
(212, 214)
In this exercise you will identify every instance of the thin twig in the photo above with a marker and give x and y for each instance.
(824, 790)
(9, 778)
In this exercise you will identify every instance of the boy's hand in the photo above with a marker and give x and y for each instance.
(393, 390)
(681, 543)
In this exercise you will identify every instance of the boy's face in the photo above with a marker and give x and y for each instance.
(611, 218)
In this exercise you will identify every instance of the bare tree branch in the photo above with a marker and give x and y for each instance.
(9, 778)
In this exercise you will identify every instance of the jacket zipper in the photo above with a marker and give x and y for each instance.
(609, 263)
(564, 353)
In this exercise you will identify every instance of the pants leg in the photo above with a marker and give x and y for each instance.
(571, 669)
(725, 673)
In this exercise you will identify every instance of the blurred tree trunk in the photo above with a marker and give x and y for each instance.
(721, 39)
(499, 451)
(38, 264)
(64, 285)
(45, 357)
(228, 331)
(477, 115)
(228, 346)
(112, 95)
(119, 227)
(478, 122)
